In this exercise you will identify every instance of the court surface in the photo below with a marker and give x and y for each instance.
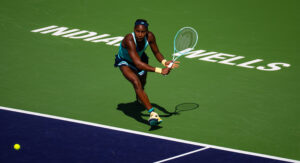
(240, 85)
(46, 138)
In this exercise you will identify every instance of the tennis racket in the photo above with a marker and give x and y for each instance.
(185, 40)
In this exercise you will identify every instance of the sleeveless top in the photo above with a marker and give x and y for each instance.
(123, 52)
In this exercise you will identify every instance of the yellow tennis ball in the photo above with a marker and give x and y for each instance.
(17, 147)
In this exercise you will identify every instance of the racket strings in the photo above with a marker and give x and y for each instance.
(186, 38)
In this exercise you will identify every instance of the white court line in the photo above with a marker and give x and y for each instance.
(147, 134)
(184, 154)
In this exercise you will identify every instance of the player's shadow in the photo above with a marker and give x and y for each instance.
(135, 110)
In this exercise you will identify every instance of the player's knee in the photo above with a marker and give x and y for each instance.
(136, 84)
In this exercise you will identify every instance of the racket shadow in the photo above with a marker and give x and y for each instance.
(185, 107)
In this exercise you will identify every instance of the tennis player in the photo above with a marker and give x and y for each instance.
(133, 61)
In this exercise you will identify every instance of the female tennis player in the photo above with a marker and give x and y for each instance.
(133, 61)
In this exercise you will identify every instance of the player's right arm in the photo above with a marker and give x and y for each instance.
(131, 47)
(156, 52)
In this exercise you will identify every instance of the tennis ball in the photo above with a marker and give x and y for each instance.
(17, 147)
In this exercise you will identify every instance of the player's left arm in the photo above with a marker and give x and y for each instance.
(156, 52)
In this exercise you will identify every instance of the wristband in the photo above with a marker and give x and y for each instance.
(158, 70)
(164, 62)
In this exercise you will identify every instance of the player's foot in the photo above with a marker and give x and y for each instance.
(154, 119)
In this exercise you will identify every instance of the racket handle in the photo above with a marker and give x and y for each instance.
(170, 65)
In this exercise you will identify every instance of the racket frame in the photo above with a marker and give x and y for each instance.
(183, 51)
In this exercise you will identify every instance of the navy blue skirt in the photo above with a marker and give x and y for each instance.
(122, 62)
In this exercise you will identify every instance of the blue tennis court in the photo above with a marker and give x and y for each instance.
(45, 138)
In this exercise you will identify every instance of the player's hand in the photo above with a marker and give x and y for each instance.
(175, 64)
(165, 71)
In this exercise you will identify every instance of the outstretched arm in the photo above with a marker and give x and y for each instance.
(156, 52)
(154, 48)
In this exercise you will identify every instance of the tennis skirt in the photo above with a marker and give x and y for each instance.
(122, 62)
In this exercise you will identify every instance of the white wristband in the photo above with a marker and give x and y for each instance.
(158, 70)
(163, 62)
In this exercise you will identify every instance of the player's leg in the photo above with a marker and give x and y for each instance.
(131, 76)
(143, 77)
(143, 82)
(143, 74)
